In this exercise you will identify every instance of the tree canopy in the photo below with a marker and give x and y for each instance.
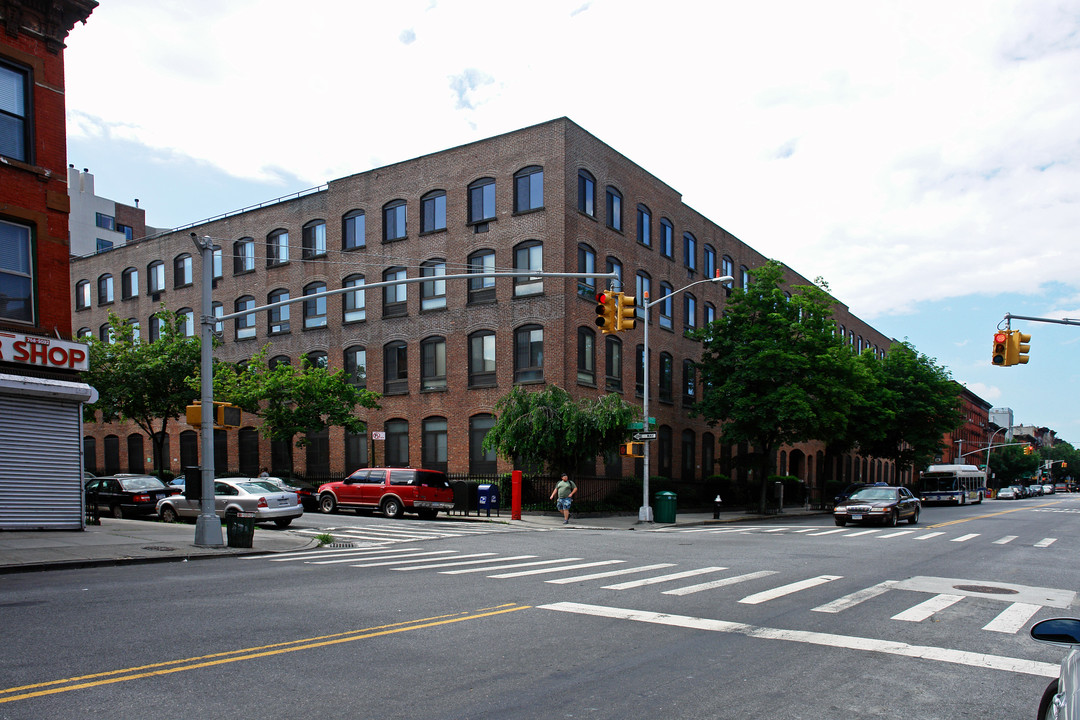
(145, 382)
(549, 428)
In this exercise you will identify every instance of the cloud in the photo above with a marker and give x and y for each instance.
(465, 85)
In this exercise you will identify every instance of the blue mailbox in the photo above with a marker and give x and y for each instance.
(488, 499)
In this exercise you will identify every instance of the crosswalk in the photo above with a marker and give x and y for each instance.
(389, 533)
(1019, 604)
(883, 533)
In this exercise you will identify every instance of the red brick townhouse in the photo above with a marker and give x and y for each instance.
(41, 394)
(549, 197)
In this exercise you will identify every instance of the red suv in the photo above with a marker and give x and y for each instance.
(394, 491)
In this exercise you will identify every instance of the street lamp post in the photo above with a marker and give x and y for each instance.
(645, 514)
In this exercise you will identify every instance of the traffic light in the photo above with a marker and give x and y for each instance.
(1017, 348)
(1001, 339)
(632, 449)
(626, 317)
(225, 415)
(1028, 449)
(607, 312)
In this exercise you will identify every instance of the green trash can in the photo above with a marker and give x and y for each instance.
(240, 528)
(664, 503)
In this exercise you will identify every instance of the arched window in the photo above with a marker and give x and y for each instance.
(528, 255)
(529, 189)
(317, 359)
(105, 290)
(482, 200)
(689, 456)
(245, 324)
(586, 196)
(689, 311)
(614, 208)
(433, 211)
(187, 321)
(433, 292)
(397, 442)
(433, 443)
(586, 266)
(182, 270)
(482, 358)
(689, 383)
(744, 277)
(313, 239)
(315, 309)
(586, 356)
(666, 306)
(278, 318)
(248, 451)
(353, 228)
(433, 363)
(667, 372)
(613, 365)
(136, 459)
(727, 266)
(644, 293)
(667, 239)
(243, 255)
(689, 243)
(129, 283)
(644, 225)
(394, 221)
(395, 297)
(354, 304)
(82, 294)
(277, 248)
(529, 354)
(395, 368)
(708, 261)
(356, 365)
(481, 462)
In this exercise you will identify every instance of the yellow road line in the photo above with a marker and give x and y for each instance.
(203, 661)
(995, 514)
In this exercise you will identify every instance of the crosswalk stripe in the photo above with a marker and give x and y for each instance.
(1012, 618)
(464, 562)
(965, 538)
(927, 536)
(723, 582)
(662, 578)
(523, 573)
(351, 558)
(853, 599)
(326, 552)
(411, 558)
(1045, 542)
(862, 532)
(507, 567)
(1005, 540)
(898, 533)
(609, 573)
(918, 613)
(758, 598)
(827, 532)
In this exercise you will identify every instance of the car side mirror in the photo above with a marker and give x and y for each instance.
(1064, 632)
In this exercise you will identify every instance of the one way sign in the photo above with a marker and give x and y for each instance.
(639, 436)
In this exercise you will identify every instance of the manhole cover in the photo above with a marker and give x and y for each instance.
(988, 589)
(159, 548)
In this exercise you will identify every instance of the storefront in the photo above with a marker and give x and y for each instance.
(41, 486)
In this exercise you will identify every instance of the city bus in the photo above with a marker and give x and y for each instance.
(958, 484)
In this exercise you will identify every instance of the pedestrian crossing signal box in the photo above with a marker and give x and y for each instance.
(632, 449)
(225, 415)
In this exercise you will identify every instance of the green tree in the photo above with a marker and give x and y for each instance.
(774, 372)
(292, 401)
(912, 405)
(549, 428)
(145, 382)
(1010, 465)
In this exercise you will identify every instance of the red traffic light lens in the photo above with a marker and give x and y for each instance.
(1000, 337)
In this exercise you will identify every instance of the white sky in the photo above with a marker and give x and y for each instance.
(920, 156)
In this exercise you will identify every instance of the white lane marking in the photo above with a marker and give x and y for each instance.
(1046, 542)
(855, 598)
(827, 532)
(783, 590)
(918, 613)
(663, 578)
(898, 533)
(1012, 618)
(965, 538)
(417, 559)
(712, 585)
(327, 552)
(508, 567)
(522, 573)
(862, 532)
(466, 562)
(850, 642)
(995, 589)
(927, 536)
(353, 558)
(609, 573)
(774, 530)
(803, 530)
(1005, 540)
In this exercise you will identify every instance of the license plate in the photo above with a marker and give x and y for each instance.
(856, 517)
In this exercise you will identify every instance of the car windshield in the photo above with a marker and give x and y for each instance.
(874, 494)
(259, 486)
(141, 483)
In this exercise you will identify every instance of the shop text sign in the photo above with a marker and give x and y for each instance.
(43, 351)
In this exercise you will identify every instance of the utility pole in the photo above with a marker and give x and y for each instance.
(208, 526)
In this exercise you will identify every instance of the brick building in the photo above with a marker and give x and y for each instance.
(40, 388)
(549, 197)
(972, 435)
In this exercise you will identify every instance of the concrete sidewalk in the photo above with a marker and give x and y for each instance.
(116, 542)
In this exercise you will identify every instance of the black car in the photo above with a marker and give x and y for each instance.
(885, 504)
(123, 495)
(855, 487)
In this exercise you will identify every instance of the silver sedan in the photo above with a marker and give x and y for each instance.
(235, 495)
(1061, 699)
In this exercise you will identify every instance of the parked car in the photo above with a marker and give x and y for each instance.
(233, 495)
(307, 492)
(1061, 699)
(1048, 489)
(1035, 490)
(394, 491)
(885, 504)
(1008, 493)
(123, 495)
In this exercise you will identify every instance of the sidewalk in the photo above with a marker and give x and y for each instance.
(115, 542)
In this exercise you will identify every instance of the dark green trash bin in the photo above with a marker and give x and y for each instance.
(240, 528)
(664, 504)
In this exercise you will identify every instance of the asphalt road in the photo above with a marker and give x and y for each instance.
(789, 619)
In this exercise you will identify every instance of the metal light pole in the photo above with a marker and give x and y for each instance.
(645, 514)
(208, 526)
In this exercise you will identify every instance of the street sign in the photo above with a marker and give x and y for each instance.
(641, 425)
(378, 435)
(639, 436)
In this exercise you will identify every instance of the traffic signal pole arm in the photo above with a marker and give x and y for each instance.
(1062, 321)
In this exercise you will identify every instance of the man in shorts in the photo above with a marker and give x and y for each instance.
(565, 489)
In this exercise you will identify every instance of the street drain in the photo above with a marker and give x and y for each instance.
(159, 548)
(987, 589)
(340, 545)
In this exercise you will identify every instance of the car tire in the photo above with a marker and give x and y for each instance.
(893, 519)
(1046, 704)
(283, 522)
(327, 503)
(392, 508)
(914, 519)
(169, 514)
(840, 522)
(117, 512)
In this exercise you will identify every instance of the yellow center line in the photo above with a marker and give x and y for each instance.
(203, 661)
(994, 514)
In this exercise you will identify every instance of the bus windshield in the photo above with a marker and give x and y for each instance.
(931, 483)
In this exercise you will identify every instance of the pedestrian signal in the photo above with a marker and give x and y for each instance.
(1001, 340)
(632, 449)
(626, 317)
(606, 312)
